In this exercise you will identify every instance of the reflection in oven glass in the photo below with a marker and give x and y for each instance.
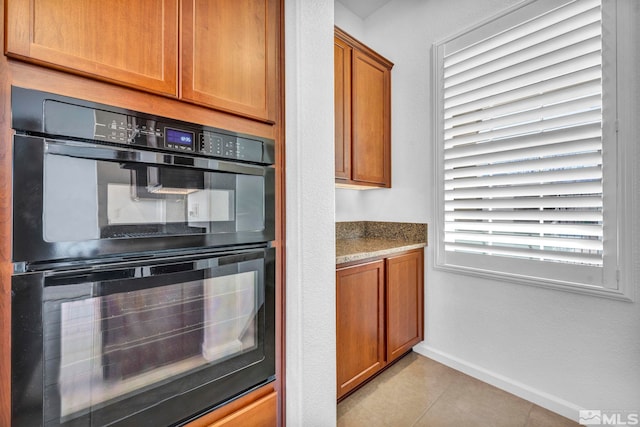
(87, 200)
(122, 343)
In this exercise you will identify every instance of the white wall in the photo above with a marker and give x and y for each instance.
(310, 246)
(561, 350)
(344, 18)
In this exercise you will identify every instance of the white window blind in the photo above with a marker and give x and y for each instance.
(521, 143)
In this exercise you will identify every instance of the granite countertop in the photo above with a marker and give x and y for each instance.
(357, 241)
(348, 250)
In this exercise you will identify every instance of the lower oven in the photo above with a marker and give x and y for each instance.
(154, 342)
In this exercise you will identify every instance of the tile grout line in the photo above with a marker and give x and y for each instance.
(526, 421)
(433, 403)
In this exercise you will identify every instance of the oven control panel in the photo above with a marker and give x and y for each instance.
(59, 116)
(126, 129)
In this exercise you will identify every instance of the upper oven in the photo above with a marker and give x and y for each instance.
(92, 180)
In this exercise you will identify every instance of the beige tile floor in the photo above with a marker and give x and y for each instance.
(420, 392)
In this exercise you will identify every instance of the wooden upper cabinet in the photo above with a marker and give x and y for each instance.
(342, 74)
(221, 54)
(132, 43)
(360, 324)
(228, 50)
(363, 114)
(405, 306)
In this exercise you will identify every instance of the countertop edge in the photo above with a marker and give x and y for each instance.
(360, 256)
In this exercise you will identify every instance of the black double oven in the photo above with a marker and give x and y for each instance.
(143, 290)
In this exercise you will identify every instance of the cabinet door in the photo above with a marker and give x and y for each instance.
(405, 295)
(371, 121)
(131, 43)
(359, 324)
(229, 55)
(342, 76)
(262, 413)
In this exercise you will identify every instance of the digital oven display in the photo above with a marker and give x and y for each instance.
(178, 138)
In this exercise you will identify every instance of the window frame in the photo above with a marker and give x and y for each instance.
(616, 168)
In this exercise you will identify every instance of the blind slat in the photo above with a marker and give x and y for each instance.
(527, 202)
(573, 148)
(544, 30)
(521, 92)
(556, 69)
(503, 59)
(500, 239)
(576, 90)
(569, 189)
(522, 166)
(561, 256)
(521, 227)
(561, 14)
(590, 174)
(533, 214)
(563, 57)
(588, 117)
(518, 116)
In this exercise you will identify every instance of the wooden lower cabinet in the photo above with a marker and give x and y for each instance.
(379, 315)
(360, 320)
(405, 296)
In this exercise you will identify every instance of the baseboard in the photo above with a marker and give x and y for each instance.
(540, 398)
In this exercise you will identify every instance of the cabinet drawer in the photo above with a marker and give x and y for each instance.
(261, 413)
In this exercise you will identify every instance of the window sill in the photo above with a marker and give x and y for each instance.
(596, 291)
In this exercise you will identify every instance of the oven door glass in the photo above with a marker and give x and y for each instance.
(87, 199)
(118, 342)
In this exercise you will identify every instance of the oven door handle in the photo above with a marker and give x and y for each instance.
(124, 155)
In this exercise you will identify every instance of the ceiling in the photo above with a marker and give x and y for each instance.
(363, 8)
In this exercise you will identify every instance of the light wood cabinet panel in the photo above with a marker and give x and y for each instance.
(370, 118)
(132, 43)
(342, 75)
(229, 55)
(363, 114)
(405, 296)
(262, 413)
(360, 324)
